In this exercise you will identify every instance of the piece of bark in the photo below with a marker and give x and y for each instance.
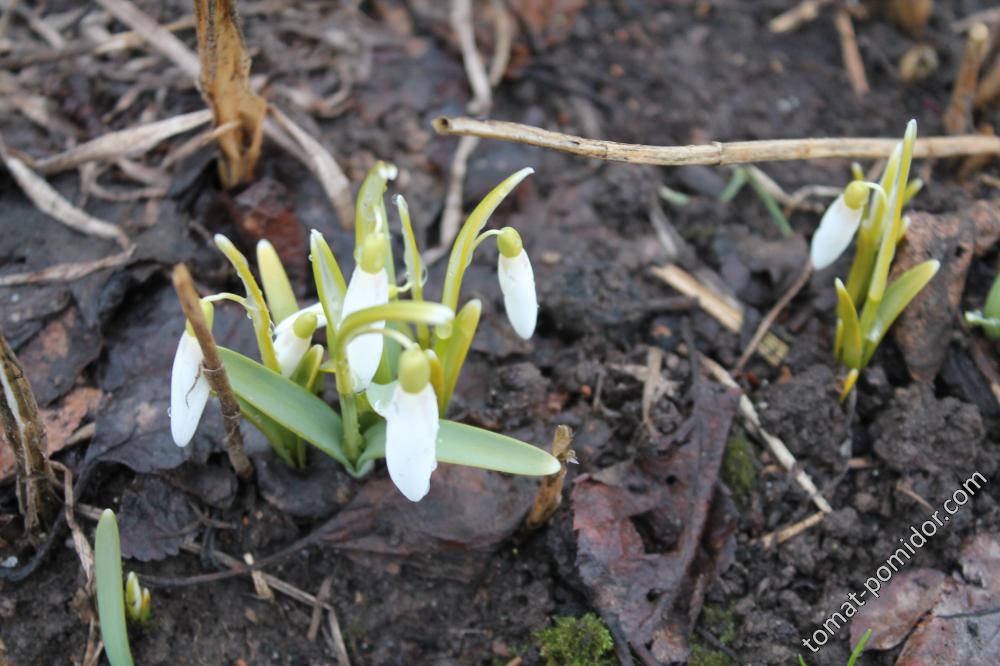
(925, 327)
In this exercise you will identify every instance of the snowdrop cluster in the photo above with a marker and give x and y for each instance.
(872, 212)
(393, 359)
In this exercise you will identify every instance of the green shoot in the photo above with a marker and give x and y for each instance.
(989, 318)
(110, 594)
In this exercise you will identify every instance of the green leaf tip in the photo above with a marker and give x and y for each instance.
(110, 590)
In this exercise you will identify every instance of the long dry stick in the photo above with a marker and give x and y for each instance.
(716, 153)
(67, 272)
(475, 70)
(850, 52)
(805, 11)
(958, 115)
(215, 373)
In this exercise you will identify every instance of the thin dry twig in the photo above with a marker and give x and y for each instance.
(989, 86)
(260, 586)
(789, 20)
(986, 16)
(323, 595)
(785, 533)
(154, 34)
(451, 218)
(215, 373)
(550, 492)
(503, 29)
(67, 272)
(83, 549)
(475, 70)
(752, 421)
(768, 320)
(850, 52)
(716, 153)
(50, 202)
(654, 362)
(773, 349)
(324, 166)
(337, 638)
(958, 115)
(128, 142)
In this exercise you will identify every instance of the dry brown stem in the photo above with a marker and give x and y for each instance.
(989, 86)
(785, 533)
(850, 52)
(768, 321)
(25, 434)
(215, 374)
(958, 116)
(716, 153)
(550, 493)
(805, 11)
(154, 34)
(224, 80)
(475, 70)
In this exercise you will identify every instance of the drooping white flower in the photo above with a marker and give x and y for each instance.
(293, 342)
(188, 390)
(369, 287)
(839, 224)
(412, 427)
(517, 282)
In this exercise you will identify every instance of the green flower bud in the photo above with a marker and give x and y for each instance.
(856, 195)
(509, 242)
(305, 325)
(372, 258)
(414, 370)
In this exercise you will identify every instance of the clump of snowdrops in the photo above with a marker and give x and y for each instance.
(874, 212)
(395, 356)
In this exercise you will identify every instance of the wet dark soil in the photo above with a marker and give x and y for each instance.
(457, 580)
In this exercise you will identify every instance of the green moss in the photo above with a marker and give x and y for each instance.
(722, 622)
(738, 469)
(706, 656)
(575, 641)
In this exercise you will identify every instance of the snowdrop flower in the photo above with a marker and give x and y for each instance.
(369, 287)
(188, 387)
(289, 321)
(293, 342)
(517, 282)
(412, 427)
(838, 226)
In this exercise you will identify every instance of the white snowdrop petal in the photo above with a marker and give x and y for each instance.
(188, 390)
(364, 352)
(411, 441)
(836, 229)
(517, 282)
(290, 349)
(289, 321)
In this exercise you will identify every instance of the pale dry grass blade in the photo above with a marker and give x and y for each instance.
(67, 272)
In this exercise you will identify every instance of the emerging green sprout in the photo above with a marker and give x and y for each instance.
(110, 595)
(855, 653)
(880, 226)
(989, 318)
(137, 600)
(395, 362)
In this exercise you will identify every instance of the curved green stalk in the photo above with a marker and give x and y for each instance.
(414, 265)
(461, 251)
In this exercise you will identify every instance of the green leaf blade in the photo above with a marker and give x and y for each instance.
(850, 342)
(110, 590)
(330, 285)
(277, 289)
(455, 348)
(287, 403)
(897, 296)
(460, 444)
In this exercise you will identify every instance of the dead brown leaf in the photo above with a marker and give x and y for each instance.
(904, 603)
(225, 84)
(926, 325)
(653, 533)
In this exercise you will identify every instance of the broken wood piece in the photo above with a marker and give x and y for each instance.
(772, 348)
(789, 20)
(785, 533)
(958, 115)
(224, 80)
(550, 493)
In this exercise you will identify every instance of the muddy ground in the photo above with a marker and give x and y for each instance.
(456, 579)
